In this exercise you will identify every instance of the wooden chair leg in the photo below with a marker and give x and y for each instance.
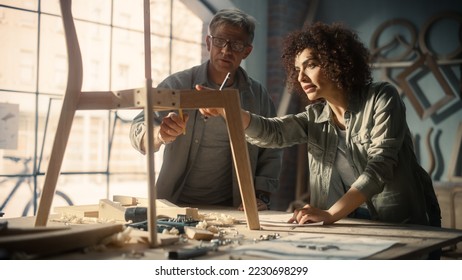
(241, 159)
(71, 99)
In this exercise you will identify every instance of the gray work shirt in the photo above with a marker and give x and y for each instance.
(379, 146)
(210, 180)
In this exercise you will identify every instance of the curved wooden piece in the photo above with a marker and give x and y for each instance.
(71, 99)
(431, 152)
(426, 61)
(454, 170)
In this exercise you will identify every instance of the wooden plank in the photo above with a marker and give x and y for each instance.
(125, 200)
(41, 244)
(165, 99)
(109, 210)
(198, 234)
(163, 203)
(192, 99)
(80, 211)
(22, 230)
(162, 239)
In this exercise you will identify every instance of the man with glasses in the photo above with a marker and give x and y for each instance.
(197, 164)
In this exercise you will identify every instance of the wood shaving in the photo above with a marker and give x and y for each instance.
(119, 238)
(202, 225)
(72, 219)
(213, 229)
(172, 231)
(219, 219)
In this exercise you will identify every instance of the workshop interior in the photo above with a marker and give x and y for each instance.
(415, 45)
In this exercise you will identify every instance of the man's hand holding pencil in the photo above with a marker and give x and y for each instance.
(172, 126)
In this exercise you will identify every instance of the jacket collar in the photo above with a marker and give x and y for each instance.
(354, 106)
(356, 100)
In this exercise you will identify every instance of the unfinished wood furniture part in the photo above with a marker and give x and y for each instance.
(149, 99)
(198, 234)
(43, 242)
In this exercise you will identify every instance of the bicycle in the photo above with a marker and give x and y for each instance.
(25, 178)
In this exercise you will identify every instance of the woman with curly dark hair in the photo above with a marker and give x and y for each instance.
(342, 57)
(360, 150)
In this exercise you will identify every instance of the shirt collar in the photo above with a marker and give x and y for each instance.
(354, 106)
(242, 79)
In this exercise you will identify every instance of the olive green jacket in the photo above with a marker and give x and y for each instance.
(380, 150)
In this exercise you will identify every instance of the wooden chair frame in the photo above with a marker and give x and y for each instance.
(149, 99)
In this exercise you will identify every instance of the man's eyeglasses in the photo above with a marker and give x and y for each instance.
(236, 46)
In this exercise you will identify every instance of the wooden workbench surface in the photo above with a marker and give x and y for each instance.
(411, 242)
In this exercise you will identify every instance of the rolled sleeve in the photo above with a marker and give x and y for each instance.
(254, 127)
(137, 132)
(367, 185)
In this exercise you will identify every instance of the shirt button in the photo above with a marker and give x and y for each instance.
(196, 141)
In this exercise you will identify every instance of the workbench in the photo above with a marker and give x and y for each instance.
(409, 241)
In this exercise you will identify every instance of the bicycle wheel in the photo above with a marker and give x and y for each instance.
(28, 209)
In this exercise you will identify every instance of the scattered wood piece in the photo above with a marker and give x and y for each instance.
(173, 212)
(163, 203)
(163, 239)
(125, 200)
(110, 210)
(198, 234)
(80, 211)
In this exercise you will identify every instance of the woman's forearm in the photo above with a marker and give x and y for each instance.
(351, 200)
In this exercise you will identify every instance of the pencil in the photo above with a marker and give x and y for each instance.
(180, 112)
(225, 80)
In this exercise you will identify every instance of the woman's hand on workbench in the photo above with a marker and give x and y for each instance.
(310, 214)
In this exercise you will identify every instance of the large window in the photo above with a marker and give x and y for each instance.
(99, 161)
